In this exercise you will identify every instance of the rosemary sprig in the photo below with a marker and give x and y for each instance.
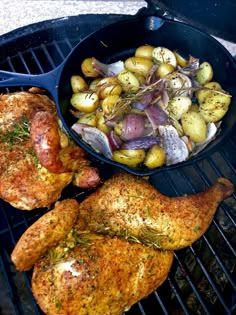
(18, 133)
(151, 237)
(123, 105)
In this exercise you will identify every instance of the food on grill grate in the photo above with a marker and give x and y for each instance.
(37, 160)
(130, 207)
(100, 275)
(78, 269)
(45, 233)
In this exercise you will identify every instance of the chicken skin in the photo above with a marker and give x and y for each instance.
(130, 207)
(45, 233)
(101, 275)
(79, 272)
(33, 150)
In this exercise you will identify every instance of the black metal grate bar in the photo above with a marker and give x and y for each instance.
(220, 262)
(210, 280)
(188, 277)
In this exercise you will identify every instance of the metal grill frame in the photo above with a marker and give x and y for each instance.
(40, 48)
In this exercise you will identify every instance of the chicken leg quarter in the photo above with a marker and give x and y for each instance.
(130, 207)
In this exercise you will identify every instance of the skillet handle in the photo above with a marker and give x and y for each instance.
(48, 81)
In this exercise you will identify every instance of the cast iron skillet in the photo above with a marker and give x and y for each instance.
(118, 41)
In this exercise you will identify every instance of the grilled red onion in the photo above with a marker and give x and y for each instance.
(133, 126)
(114, 140)
(141, 143)
(157, 116)
(145, 100)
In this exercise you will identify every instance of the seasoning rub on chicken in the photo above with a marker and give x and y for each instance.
(79, 272)
(130, 207)
(37, 160)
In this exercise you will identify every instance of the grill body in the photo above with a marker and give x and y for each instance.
(202, 278)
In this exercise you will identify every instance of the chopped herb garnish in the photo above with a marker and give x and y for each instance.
(19, 132)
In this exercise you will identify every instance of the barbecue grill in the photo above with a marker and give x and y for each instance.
(202, 278)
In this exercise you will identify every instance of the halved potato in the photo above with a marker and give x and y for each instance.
(86, 102)
(129, 157)
(164, 69)
(128, 81)
(88, 119)
(178, 105)
(155, 157)
(162, 54)
(181, 61)
(215, 106)
(138, 65)
(194, 126)
(108, 86)
(144, 51)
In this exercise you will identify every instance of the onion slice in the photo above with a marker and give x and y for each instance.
(176, 149)
(156, 116)
(95, 138)
(141, 143)
(107, 70)
(133, 126)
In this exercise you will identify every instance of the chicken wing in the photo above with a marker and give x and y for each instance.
(46, 232)
(34, 167)
(130, 207)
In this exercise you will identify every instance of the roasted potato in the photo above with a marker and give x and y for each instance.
(108, 103)
(88, 119)
(194, 126)
(164, 69)
(101, 123)
(144, 51)
(78, 83)
(178, 106)
(138, 65)
(129, 157)
(87, 68)
(215, 106)
(128, 80)
(181, 61)
(162, 54)
(86, 102)
(155, 157)
(108, 86)
(207, 90)
(205, 74)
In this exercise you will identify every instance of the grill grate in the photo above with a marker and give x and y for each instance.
(202, 278)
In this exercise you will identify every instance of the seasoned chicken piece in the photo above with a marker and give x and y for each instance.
(130, 207)
(46, 232)
(99, 276)
(15, 106)
(34, 167)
